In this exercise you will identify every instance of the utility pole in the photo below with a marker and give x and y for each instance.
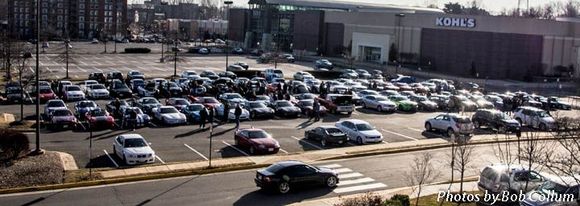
(227, 3)
(66, 46)
(37, 151)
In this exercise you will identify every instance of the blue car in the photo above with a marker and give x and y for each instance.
(82, 107)
(192, 112)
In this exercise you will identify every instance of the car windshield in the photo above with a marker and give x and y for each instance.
(150, 101)
(283, 104)
(87, 104)
(257, 105)
(167, 110)
(542, 114)
(72, 88)
(461, 120)
(333, 131)
(195, 107)
(307, 103)
(233, 96)
(549, 187)
(135, 142)
(380, 99)
(275, 168)
(55, 104)
(364, 127)
(257, 134)
(98, 112)
(420, 99)
(62, 113)
(181, 102)
(97, 86)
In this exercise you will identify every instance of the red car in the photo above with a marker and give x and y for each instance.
(209, 102)
(100, 118)
(256, 141)
(46, 94)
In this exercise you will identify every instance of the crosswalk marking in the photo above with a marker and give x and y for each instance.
(331, 166)
(349, 175)
(356, 181)
(342, 170)
(360, 187)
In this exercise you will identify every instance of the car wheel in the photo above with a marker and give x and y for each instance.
(252, 150)
(501, 129)
(428, 127)
(380, 109)
(476, 124)
(364, 106)
(284, 187)
(519, 120)
(323, 142)
(331, 181)
(450, 132)
(359, 141)
(543, 127)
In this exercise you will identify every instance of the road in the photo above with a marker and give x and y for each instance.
(237, 188)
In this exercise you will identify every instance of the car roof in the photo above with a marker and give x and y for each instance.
(327, 126)
(131, 136)
(252, 129)
(289, 163)
(356, 121)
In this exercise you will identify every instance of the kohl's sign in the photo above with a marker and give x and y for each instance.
(455, 22)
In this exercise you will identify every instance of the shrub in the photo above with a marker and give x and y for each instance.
(13, 145)
(402, 199)
(368, 199)
(137, 50)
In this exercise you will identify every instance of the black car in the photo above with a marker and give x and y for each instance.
(98, 76)
(284, 108)
(171, 89)
(327, 135)
(115, 75)
(288, 175)
(209, 74)
(495, 119)
(259, 110)
(557, 103)
(228, 74)
(119, 89)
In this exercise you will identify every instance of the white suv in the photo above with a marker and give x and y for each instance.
(499, 178)
(535, 118)
(450, 123)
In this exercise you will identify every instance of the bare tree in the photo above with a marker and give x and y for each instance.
(565, 162)
(461, 158)
(422, 172)
(66, 56)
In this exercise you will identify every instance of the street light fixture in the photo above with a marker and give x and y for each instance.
(227, 3)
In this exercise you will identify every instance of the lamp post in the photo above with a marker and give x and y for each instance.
(66, 46)
(37, 151)
(227, 3)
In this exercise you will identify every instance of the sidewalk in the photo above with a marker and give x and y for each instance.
(386, 194)
(308, 157)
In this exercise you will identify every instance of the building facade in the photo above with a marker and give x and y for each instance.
(483, 46)
(63, 19)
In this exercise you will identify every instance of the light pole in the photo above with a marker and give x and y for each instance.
(175, 51)
(227, 3)
(37, 151)
(399, 34)
(66, 46)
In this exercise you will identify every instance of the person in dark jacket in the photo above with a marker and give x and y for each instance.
(202, 117)
(237, 114)
(316, 110)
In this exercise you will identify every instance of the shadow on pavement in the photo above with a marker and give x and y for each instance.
(260, 197)
(306, 123)
(144, 202)
(195, 131)
(109, 134)
(228, 151)
(102, 161)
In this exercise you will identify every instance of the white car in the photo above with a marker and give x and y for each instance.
(53, 104)
(88, 83)
(535, 118)
(133, 149)
(97, 91)
(73, 93)
(360, 131)
(300, 75)
(378, 102)
(231, 114)
(168, 115)
(188, 73)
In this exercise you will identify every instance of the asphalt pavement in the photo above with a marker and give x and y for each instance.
(357, 175)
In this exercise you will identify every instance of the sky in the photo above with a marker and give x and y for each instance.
(495, 6)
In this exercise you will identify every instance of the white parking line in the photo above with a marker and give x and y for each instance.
(342, 170)
(112, 160)
(401, 135)
(308, 143)
(229, 145)
(159, 159)
(202, 156)
(415, 129)
(284, 151)
(331, 166)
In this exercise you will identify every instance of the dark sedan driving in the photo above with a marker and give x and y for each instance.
(285, 176)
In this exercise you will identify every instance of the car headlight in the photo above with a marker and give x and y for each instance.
(262, 146)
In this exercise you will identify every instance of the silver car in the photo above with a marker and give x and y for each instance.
(378, 102)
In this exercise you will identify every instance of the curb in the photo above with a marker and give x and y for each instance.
(152, 176)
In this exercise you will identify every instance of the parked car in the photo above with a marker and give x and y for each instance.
(461, 103)
(307, 107)
(133, 149)
(557, 103)
(452, 124)
(62, 119)
(98, 76)
(46, 94)
(258, 109)
(337, 103)
(142, 118)
(289, 175)
(208, 102)
(115, 75)
(147, 104)
(359, 131)
(285, 108)
(61, 85)
(323, 64)
(203, 51)
(552, 192)
(424, 103)
(534, 118)
(53, 104)
(170, 89)
(349, 74)
(134, 74)
(256, 141)
(501, 178)
(243, 65)
(168, 115)
(191, 111)
(82, 107)
(271, 74)
(238, 50)
(495, 119)
(364, 74)
(327, 135)
(288, 58)
(85, 84)
(235, 68)
(97, 91)
(209, 74)
(178, 103)
(98, 118)
(73, 93)
(188, 74)
(404, 104)
(300, 75)
(379, 103)
(135, 84)
(442, 101)
(482, 103)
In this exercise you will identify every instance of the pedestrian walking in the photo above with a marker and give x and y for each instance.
(202, 117)
(237, 114)
(316, 110)
(133, 115)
